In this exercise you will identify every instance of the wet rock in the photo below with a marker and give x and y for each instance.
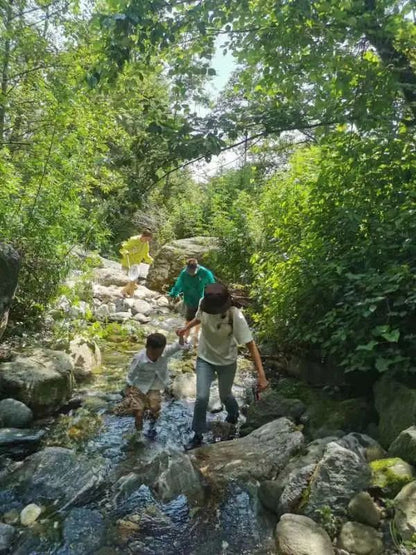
(404, 446)
(396, 406)
(337, 477)
(362, 445)
(270, 407)
(18, 442)
(360, 539)
(9, 270)
(300, 535)
(362, 509)
(83, 531)
(57, 475)
(390, 475)
(86, 356)
(405, 511)
(30, 514)
(42, 380)
(184, 386)
(7, 534)
(258, 456)
(11, 517)
(172, 257)
(15, 414)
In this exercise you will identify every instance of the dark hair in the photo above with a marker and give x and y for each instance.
(216, 299)
(147, 233)
(192, 264)
(156, 341)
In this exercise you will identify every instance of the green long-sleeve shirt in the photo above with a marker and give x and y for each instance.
(192, 287)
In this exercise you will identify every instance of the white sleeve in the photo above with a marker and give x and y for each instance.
(171, 349)
(241, 331)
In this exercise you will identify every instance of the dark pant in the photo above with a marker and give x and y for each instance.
(190, 312)
(205, 375)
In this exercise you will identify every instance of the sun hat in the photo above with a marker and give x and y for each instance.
(216, 300)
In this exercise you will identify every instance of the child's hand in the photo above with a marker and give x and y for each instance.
(181, 332)
(181, 340)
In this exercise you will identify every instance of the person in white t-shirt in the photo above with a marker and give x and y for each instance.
(223, 328)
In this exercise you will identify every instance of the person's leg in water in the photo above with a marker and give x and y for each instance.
(226, 376)
(155, 400)
(190, 312)
(205, 374)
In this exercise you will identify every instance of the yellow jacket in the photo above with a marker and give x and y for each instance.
(134, 251)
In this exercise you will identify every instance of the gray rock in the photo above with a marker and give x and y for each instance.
(179, 477)
(141, 318)
(106, 294)
(86, 356)
(108, 276)
(120, 316)
(405, 511)
(362, 509)
(184, 386)
(42, 380)
(396, 406)
(269, 493)
(139, 306)
(18, 442)
(360, 539)
(102, 312)
(268, 408)
(171, 259)
(83, 531)
(9, 271)
(362, 445)
(7, 534)
(404, 446)
(300, 535)
(258, 456)
(337, 477)
(15, 414)
(57, 475)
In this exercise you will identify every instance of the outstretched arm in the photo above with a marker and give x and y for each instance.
(177, 288)
(255, 355)
(189, 325)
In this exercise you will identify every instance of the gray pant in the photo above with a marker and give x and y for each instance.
(205, 375)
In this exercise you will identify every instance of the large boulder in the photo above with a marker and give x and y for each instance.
(300, 535)
(405, 511)
(396, 407)
(271, 406)
(390, 475)
(339, 475)
(404, 446)
(171, 259)
(83, 531)
(256, 457)
(18, 442)
(57, 475)
(42, 380)
(15, 414)
(9, 270)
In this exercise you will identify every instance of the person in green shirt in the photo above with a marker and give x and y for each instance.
(191, 283)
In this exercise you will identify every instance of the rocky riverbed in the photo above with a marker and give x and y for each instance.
(303, 478)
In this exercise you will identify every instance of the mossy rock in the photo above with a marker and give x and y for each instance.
(325, 412)
(390, 475)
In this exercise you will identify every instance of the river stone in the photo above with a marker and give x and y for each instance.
(396, 406)
(7, 534)
(141, 318)
(120, 316)
(300, 535)
(337, 477)
(404, 446)
(259, 456)
(171, 259)
(362, 445)
(184, 386)
(43, 380)
(270, 407)
(360, 539)
(110, 276)
(405, 511)
(106, 294)
(15, 414)
(179, 477)
(86, 356)
(362, 509)
(138, 306)
(9, 271)
(18, 442)
(30, 514)
(57, 475)
(390, 475)
(83, 531)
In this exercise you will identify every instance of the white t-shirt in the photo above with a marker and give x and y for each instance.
(221, 334)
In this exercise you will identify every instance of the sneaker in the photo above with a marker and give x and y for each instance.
(151, 432)
(195, 442)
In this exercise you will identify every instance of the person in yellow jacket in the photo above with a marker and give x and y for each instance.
(135, 251)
